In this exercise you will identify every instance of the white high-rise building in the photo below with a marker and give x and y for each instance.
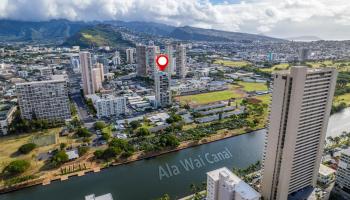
(342, 182)
(162, 89)
(130, 55)
(181, 61)
(116, 59)
(151, 54)
(75, 64)
(169, 51)
(44, 99)
(300, 109)
(141, 68)
(86, 73)
(108, 105)
(222, 184)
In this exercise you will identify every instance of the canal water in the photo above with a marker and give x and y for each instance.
(143, 180)
(172, 173)
(338, 123)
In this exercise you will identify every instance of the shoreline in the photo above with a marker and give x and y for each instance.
(138, 156)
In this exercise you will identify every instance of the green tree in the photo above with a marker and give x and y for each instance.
(16, 167)
(127, 148)
(135, 124)
(83, 132)
(59, 158)
(187, 106)
(111, 152)
(98, 154)
(99, 125)
(106, 135)
(174, 118)
(63, 146)
(26, 148)
(168, 140)
(82, 150)
(142, 131)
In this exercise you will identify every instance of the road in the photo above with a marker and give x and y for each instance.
(74, 81)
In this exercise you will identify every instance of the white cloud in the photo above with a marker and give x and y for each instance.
(261, 16)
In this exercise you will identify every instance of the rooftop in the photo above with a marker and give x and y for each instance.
(102, 197)
(72, 154)
(241, 187)
(326, 171)
(309, 70)
(54, 78)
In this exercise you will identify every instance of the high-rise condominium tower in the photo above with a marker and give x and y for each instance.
(303, 54)
(130, 55)
(169, 51)
(181, 61)
(86, 72)
(44, 99)
(301, 104)
(141, 61)
(162, 88)
(151, 54)
(97, 76)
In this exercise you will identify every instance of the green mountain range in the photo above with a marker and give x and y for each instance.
(87, 34)
(98, 35)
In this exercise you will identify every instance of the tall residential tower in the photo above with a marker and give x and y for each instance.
(162, 88)
(130, 55)
(141, 70)
(301, 104)
(181, 61)
(151, 54)
(44, 99)
(86, 72)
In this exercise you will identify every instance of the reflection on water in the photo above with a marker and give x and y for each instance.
(339, 122)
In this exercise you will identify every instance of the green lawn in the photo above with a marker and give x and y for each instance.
(209, 97)
(229, 63)
(248, 87)
(234, 91)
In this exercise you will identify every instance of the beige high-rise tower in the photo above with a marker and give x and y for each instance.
(86, 73)
(301, 104)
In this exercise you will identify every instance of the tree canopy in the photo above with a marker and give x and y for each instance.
(16, 167)
(26, 148)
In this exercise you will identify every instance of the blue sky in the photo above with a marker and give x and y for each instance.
(327, 19)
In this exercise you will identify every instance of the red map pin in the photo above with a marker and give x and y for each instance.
(162, 62)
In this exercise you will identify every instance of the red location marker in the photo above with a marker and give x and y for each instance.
(162, 62)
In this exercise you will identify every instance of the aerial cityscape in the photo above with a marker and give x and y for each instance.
(188, 100)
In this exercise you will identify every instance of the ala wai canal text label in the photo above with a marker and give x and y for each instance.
(189, 164)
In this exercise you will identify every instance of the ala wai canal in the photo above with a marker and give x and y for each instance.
(171, 173)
